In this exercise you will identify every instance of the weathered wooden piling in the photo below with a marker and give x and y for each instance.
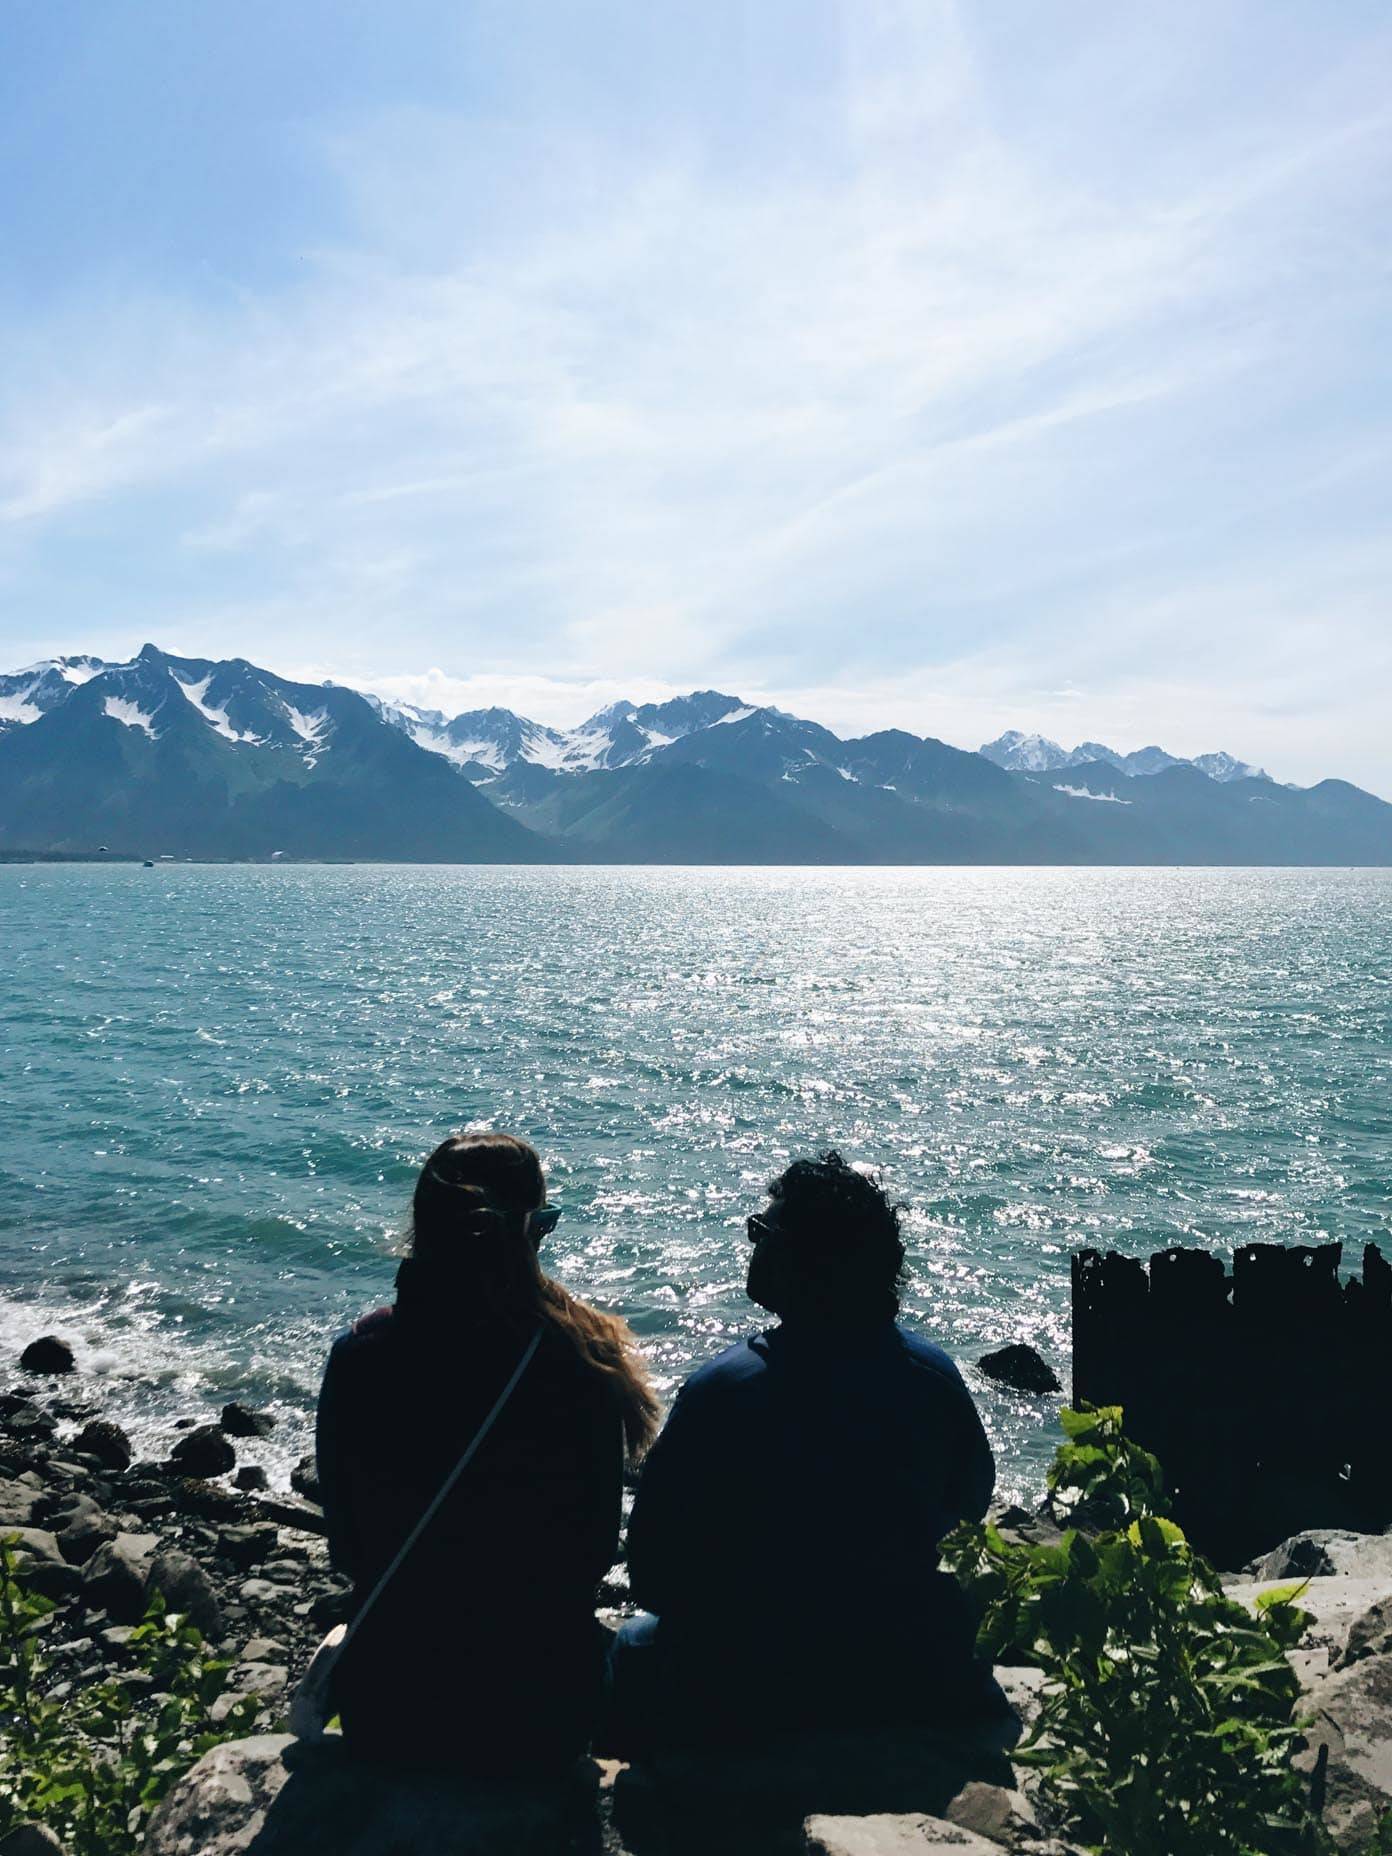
(1266, 1394)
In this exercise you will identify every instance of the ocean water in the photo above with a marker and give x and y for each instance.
(216, 1085)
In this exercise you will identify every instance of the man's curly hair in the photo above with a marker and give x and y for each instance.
(832, 1210)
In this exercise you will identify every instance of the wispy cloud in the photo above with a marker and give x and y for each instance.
(981, 384)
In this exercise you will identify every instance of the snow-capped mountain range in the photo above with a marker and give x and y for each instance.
(201, 758)
(1037, 754)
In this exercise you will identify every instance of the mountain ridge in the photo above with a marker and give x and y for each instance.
(203, 757)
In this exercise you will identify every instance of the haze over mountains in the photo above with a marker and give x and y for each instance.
(190, 757)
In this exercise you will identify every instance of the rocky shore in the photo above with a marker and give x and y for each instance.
(99, 1531)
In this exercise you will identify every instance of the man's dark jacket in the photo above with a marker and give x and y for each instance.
(795, 1500)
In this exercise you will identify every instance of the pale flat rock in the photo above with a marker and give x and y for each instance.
(1350, 1742)
(885, 1834)
(1334, 1601)
(1325, 1552)
(17, 1505)
(271, 1796)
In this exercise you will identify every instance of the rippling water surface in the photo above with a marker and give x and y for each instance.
(217, 1084)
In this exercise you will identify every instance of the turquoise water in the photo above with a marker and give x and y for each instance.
(216, 1085)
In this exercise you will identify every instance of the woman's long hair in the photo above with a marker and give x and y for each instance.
(469, 1208)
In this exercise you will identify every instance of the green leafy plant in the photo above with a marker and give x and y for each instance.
(93, 1763)
(1167, 1720)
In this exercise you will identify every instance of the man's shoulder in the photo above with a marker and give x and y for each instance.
(736, 1366)
(928, 1357)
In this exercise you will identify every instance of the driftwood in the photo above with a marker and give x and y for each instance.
(1264, 1393)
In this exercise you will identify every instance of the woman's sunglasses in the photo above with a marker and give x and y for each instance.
(543, 1221)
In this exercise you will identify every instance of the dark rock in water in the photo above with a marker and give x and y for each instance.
(48, 1354)
(251, 1478)
(105, 1441)
(186, 1588)
(304, 1479)
(240, 1420)
(203, 1452)
(1020, 1366)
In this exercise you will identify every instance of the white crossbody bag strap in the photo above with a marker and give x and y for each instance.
(448, 1484)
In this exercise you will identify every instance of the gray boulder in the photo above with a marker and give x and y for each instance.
(33, 1546)
(910, 1834)
(270, 1796)
(1327, 1552)
(1370, 1634)
(1348, 1751)
(186, 1588)
(79, 1538)
(17, 1504)
(114, 1577)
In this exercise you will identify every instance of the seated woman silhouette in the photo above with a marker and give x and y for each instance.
(794, 1502)
(483, 1652)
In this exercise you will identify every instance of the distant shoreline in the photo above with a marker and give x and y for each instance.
(283, 861)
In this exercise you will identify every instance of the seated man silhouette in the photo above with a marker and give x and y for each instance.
(784, 1536)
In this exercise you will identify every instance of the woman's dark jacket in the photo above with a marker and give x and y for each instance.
(484, 1649)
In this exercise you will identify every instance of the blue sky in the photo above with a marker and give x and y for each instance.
(954, 367)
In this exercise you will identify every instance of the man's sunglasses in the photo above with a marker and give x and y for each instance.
(758, 1227)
